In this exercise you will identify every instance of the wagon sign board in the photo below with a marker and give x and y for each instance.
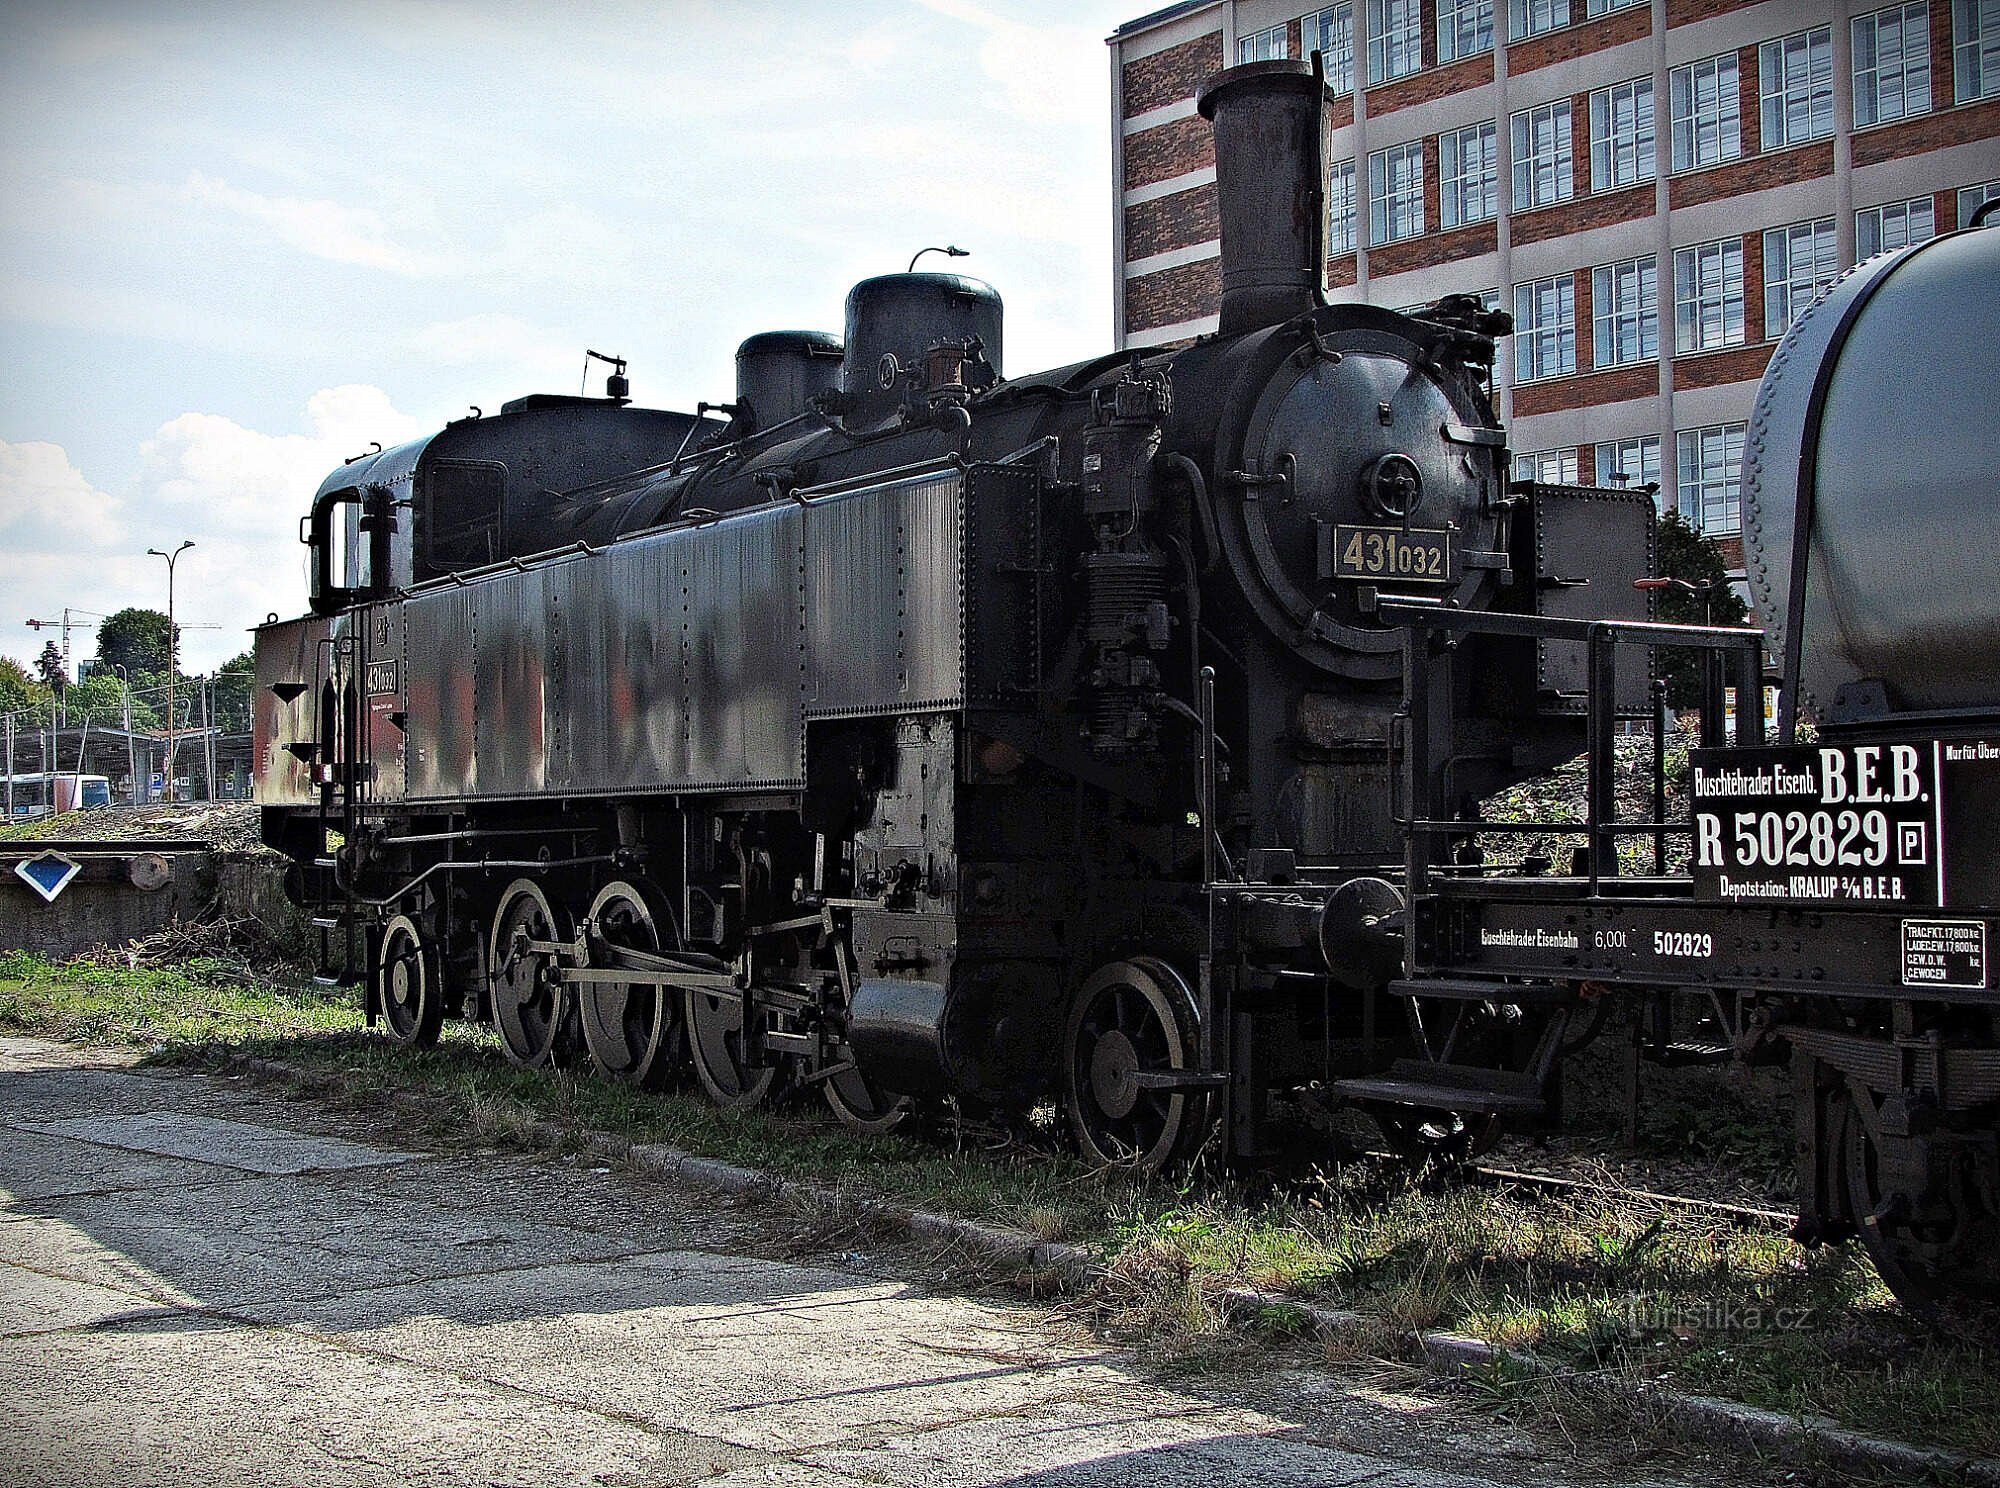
(1887, 825)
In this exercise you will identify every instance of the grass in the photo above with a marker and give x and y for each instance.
(1609, 1287)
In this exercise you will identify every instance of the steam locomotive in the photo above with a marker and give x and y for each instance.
(1114, 736)
(909, 731)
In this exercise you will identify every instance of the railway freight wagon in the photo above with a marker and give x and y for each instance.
(909, 732)
(1844, 889)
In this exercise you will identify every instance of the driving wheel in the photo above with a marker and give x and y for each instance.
(407, 993)
(530, 1001)
(1131, 1028)
(632, 1029)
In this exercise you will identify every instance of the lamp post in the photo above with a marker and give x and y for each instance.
(131, 750)
(168, 773)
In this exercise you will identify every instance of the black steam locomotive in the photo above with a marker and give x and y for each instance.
(911, 731)
(1116, 735)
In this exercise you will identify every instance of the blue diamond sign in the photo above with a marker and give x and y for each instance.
(48, 874)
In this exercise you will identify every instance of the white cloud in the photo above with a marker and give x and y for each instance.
(237, 492)
(324, 229)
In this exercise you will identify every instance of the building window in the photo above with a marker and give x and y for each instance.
(1605, 7)
(1711, 474)
(1465, 28)
(1708, 296)
(1800, 264)
(1796, 88)
(1638, 460)
(1542, 156)
(1270, 45)
(1340, 218)
(1972, 198)
(1621, 135)
(1893, 225)
(1706, 113)
(1469, 174)
(1545, 328)
(1533, 17)
(1395, 39)
(1892, 65)
(1625, 310)
(1396, 193)
(1550, 467)
(1330, 32)
(1975, 47)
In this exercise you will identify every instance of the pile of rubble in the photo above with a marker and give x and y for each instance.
(226, 826)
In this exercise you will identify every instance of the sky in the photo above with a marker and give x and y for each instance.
(239, 243)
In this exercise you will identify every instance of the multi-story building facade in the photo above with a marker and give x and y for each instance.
(1654, 189)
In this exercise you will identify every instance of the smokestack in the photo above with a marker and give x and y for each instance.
(1272, 189)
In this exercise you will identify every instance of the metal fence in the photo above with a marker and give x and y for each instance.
(210, 743)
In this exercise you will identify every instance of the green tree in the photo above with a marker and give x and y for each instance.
(135, 639)
(50, 665)
(99, 700)
(18, 689)
(234, 686)
(1696, 559)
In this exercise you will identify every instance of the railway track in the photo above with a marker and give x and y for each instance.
(1743, 1216)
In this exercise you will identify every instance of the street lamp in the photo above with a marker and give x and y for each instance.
(170, 557)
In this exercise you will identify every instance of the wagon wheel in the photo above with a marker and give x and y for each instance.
(1132, 1019)
(632, 1029)
(531, 1004)
(727, 1069)
(1938, 1250)
(861, 1106)
(407, 990)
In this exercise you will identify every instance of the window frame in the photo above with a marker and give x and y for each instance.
(1522, 17)
(1913, 73)
(1397, 42)
(1639, 479)
(1783, 288)
(1532, 337)
(1408, 151)
(1453, 17)
(1716, 486)
(1980, 48)
(1567, 468)
(1879, 215)
(1612, 315)
(1692, 312)
(1987, 190)
(1246, 46)
(1605, 146)
(1528, 163)
(1454, 188)
(1685, 128)
(1352, 236)
(1775, 100)
(1328, 21)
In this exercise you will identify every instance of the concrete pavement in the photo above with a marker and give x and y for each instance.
(204, 1285)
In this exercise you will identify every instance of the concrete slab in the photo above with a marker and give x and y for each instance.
(750, 1351)
(37, 1165)
(206, 1404)
(255, 1239)
(33, 1303)
(1148, 1436)
(209, 1139)
(516, 1320)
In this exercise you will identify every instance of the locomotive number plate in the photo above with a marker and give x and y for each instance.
(1415, 554)
(381, 677)
(1884, 825)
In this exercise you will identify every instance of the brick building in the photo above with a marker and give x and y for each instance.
(1652, 187)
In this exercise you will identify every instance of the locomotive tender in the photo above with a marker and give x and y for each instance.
(1115, 734)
